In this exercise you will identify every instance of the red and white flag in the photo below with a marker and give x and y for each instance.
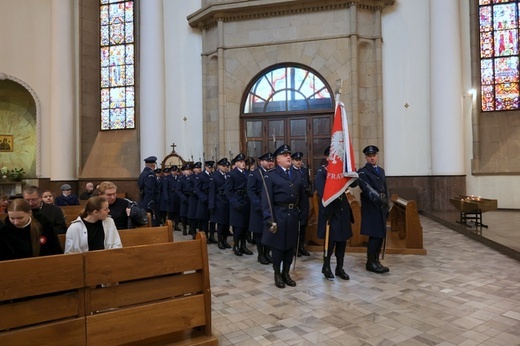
(341, 170)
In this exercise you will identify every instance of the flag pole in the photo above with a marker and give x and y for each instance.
(339, 83)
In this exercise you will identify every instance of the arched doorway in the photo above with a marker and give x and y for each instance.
(288, 103)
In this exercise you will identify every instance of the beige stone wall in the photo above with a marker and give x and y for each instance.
(339, 40)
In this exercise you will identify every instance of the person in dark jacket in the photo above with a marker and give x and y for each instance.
(33, 196)
(149, 190)
(374, 208)
(66, 197)
(340, 218)
(255, 185)
(282, 200)
(183, 194)
(235, 189)
(218, 204)
(202, 182)
(297, 165)
(26, 235)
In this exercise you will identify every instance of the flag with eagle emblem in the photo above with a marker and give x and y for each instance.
(341, 168)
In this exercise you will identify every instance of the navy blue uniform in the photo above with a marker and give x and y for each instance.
(287, 199)
(254, 192)
(373, 213)
(149, 191)
(235, 189)
(202, 182)
(218, 205)
(183, 196)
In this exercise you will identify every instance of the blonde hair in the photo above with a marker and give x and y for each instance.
(106, 185)
(20, 204)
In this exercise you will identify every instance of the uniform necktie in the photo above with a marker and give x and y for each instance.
(377, 169)
(288, 172)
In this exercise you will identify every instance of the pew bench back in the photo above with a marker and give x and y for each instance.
(154, 292)
(42, 300)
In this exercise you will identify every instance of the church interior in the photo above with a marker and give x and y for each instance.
(90, 88)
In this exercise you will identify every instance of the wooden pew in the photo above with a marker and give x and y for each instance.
(162, 295)
(71, 212)
(140, 236)
(405, 223)
(357, 239)
(42, 301)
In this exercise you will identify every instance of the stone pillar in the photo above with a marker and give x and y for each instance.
(152, 82)
(63, 119)
(447, 131)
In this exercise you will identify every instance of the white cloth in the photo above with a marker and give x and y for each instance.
(76, 239)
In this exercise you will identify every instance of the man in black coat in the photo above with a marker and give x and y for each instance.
(218, 203)
(255, 185)
(299, 168)
(282, 200)
(235, 189)
(202, 182)
(149, 190)
(183, 194)
(374, 208)
(33, 196)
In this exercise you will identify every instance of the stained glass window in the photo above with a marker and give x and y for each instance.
(287, 89)
(499, 54)
(117, 64)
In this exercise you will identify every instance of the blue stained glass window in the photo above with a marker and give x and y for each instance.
(499, 53)
(117, 62)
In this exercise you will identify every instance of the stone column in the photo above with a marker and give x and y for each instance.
(63, 119)
(152, 120)
(447, 131)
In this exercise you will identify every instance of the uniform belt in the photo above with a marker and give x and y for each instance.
(286, 205)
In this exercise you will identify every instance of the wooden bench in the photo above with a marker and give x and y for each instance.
(405, 224)
(149, 294)
(162, 295)
(140, 236)
(71, 212)
(42, 301)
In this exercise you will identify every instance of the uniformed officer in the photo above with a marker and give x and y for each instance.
(165, 205)
(235, 189)
(374, 208)
(297, 165)
(183, 194)
(173, 179)
(339, 217)
(218, 203)
(281, 204)
(193, 200)
(202, 182)
(149, 190)
(255, 186)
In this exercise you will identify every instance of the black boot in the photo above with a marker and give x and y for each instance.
(371, 265)
(207, 237)
(267, 254)
(236, 247)
(243, 247)
(220, 243)
(339, 269)
(326, 268)
(385, 269)
(225, 243)
(301, 247)
(286, 277)
(248, 237)
(278, 281)
(184, 231)
(261, 254)
(211, 238)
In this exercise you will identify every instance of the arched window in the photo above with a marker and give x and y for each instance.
(499, 55)
(288, 104)
(288, 89)
(117, 65)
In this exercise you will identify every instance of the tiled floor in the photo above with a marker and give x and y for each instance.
(461, 293)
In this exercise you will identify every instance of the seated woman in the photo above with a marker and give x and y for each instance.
(26, 235)
(93, 229)
(47, 197)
